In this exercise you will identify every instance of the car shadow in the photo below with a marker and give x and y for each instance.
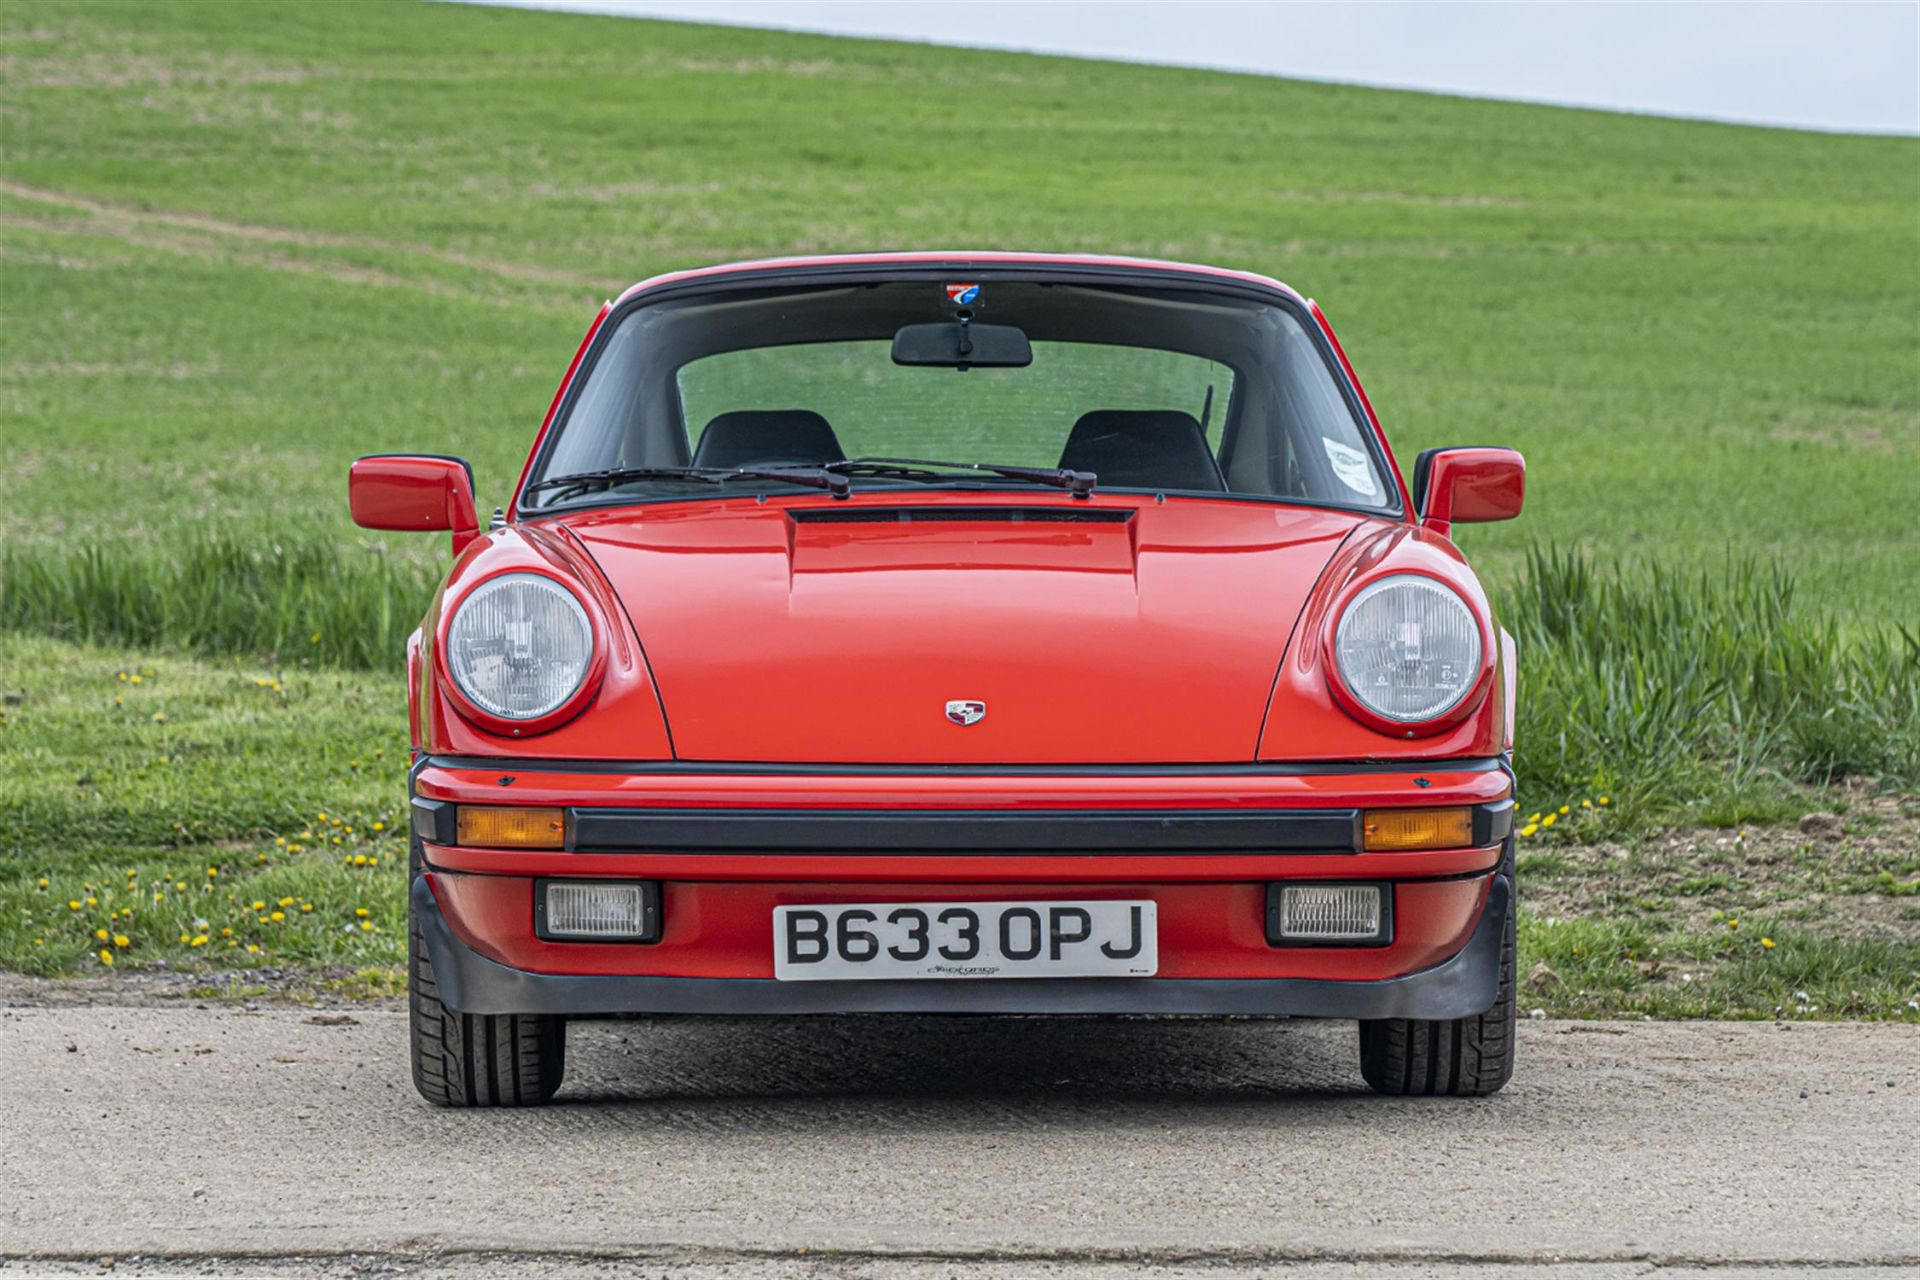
(876, 1070)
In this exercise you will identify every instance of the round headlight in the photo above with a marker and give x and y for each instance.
(519, 646)
(1409, 648)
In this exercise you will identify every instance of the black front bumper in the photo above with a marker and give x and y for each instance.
(1464, 985)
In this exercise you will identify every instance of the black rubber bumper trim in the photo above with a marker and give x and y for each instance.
(963, 831)
(1459, 987)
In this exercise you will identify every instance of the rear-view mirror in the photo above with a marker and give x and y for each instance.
(962, 345)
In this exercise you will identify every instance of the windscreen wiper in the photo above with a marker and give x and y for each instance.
(580, 482)
(1079, 483)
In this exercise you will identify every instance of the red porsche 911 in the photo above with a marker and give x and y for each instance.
(969, 633)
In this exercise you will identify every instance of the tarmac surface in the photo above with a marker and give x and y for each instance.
(226, 1140)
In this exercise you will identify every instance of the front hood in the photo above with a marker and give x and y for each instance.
(1099, 633)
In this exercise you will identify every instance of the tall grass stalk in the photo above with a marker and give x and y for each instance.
(1676, 688)
(298, 596)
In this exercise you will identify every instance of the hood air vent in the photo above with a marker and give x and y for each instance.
(960, 515)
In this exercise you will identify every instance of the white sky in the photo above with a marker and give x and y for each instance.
(1849, 65)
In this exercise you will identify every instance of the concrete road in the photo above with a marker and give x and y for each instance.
(283, 1140)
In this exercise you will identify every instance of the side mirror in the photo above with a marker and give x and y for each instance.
(1468, 486)
(420, 492)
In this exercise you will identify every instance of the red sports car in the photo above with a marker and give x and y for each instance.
(959, 633)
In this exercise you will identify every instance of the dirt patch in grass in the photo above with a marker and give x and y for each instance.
(1848, 874)
(324, 986)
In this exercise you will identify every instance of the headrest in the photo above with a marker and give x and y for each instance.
(1143, 449)
(767, 437)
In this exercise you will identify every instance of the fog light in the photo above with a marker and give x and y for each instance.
(1335, 913)
(1385, 830)
(597, 910)
(515, 826)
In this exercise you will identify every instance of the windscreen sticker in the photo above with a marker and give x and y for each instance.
(1350, 468)
(963, 294)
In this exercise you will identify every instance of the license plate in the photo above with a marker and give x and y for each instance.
(966, 940)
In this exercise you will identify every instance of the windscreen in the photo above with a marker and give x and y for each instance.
(1179, 392)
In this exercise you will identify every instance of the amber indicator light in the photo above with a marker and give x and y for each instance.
(512, 827)
(1385, 830)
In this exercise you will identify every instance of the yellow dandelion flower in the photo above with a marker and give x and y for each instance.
(379, 826)
(226, 933)
(93, 902)
(1549, 819)
(123, 677)
(132, 872)
(133, 679)
(100, 934)
(314, 638)
(280, 841)
(122, 940)
(322, 815)
(379, 753)
(366, 926)
(1565, 809)
(73, 904)
(43, 882)
(306, 906)
(1767, 943)
(1603, 800)
(362, 912)
(184, 937)
(179, 886)
(159, 717)
(1586, 804)
(212, 872)
(252, 950)
(1734, 923)
(284, 902)
(118, 701)
(258, 906)
(292, 848)
(199, 940)
(106, 957)
(278, 917)
(373, 862)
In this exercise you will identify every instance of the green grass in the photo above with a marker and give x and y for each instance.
(298, 595)
(196, 768)
(244, 243)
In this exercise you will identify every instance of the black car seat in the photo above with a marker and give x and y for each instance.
(767, 437)
(1143, 449)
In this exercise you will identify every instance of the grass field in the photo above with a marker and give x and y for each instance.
(241, 245)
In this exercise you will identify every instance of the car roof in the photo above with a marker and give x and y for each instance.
(958, 261)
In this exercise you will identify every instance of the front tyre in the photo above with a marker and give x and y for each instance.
(477, 1060)
(1456, 1057)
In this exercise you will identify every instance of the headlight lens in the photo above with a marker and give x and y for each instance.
(519, 646)
(1408, 648)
